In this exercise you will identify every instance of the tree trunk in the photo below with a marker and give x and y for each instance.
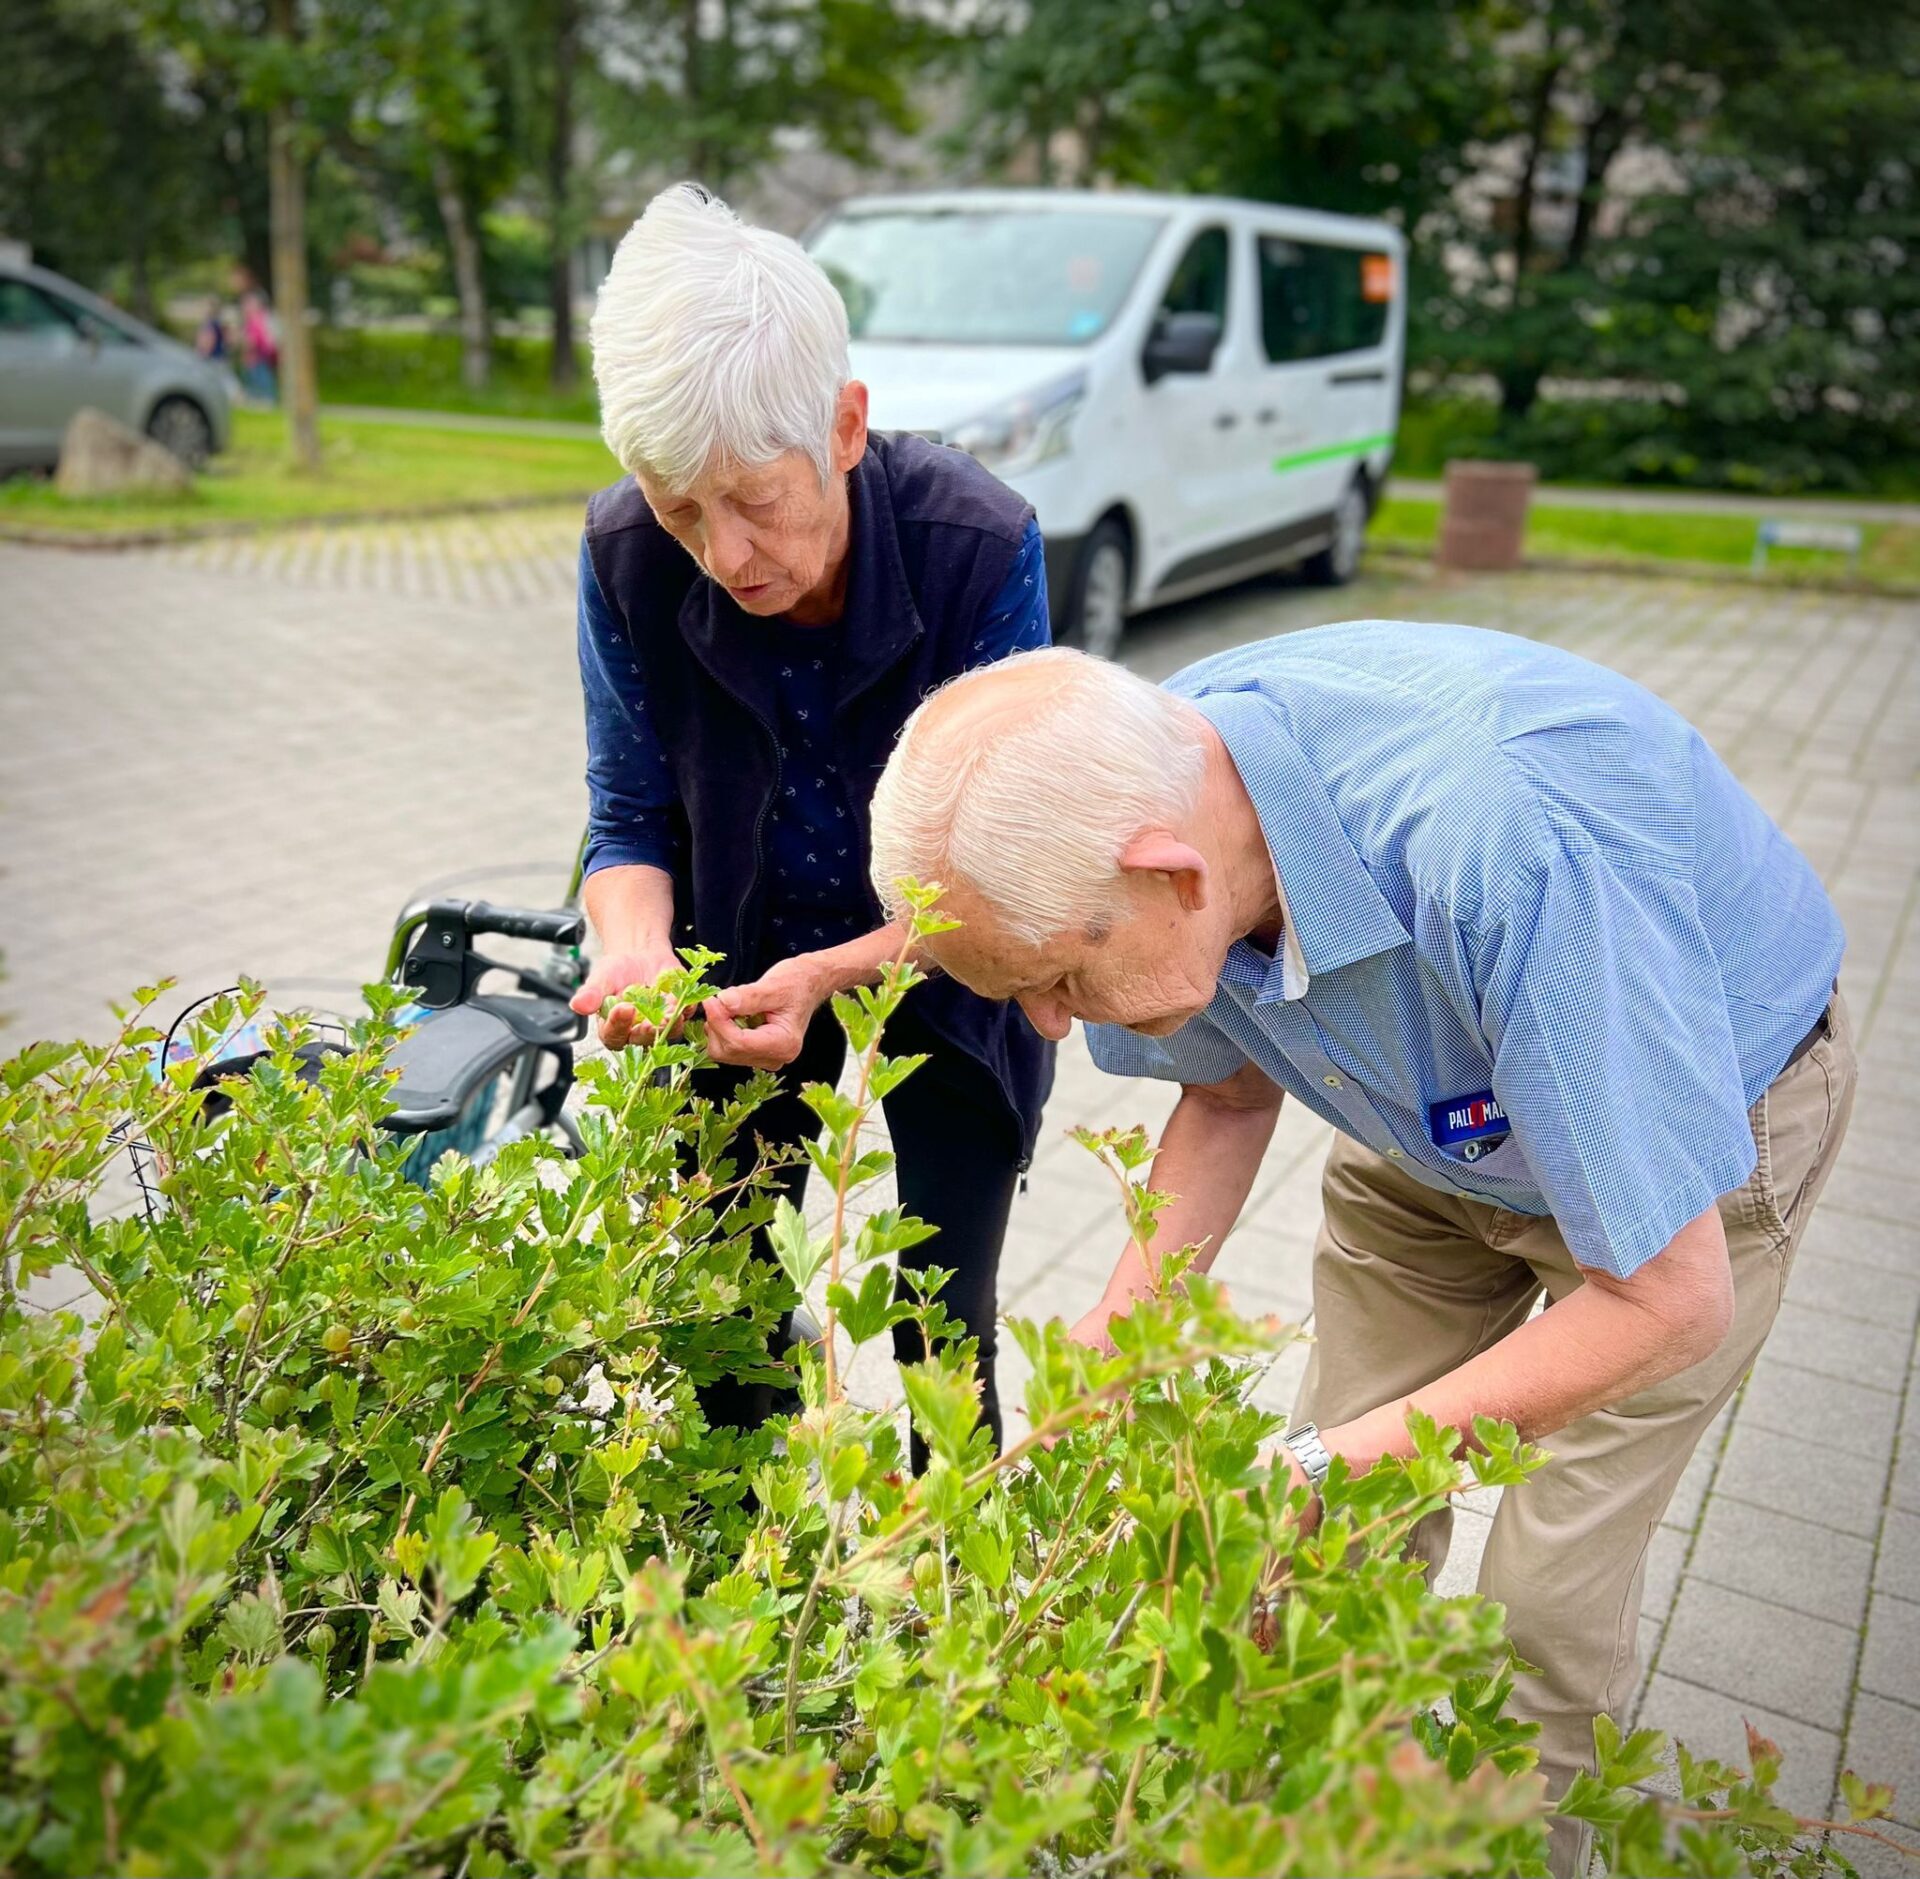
(1602, 144)
(565, 370)
(476, 334)
(140, 285)
(287, 216)
(242, 159)
(1537, 118)
(1519, 389)
(693, 90)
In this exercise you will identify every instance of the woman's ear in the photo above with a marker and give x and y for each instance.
(850, 426)
(1159, 851)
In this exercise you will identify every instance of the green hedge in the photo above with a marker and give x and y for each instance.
(1633, 442)
(376, 1529)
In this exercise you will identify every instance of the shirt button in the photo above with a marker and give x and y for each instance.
(1394, 1154)
(1332, 1082)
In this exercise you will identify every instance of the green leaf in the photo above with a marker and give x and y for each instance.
(943, 1402)
(882, 1667)
(802, 1257)
(868, 1313)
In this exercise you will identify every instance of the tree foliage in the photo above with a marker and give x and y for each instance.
(1696, 225)
(1361, 108)
(376, 1529)
(716, 93)
(1738, 247)
(108, 170)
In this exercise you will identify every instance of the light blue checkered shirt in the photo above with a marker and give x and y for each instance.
(1509, 870)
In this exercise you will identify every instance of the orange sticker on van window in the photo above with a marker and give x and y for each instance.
(1376, 278)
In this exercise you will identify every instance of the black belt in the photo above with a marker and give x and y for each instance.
(1822, 1027)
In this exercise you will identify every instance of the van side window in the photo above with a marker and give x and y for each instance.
(1316, 301)
(1199, 283)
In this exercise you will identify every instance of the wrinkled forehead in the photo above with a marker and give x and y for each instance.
(997, 965)
(735, 484)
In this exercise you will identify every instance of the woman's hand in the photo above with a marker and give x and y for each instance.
(782, 1001)
(622, 1026)
(1093, 1328)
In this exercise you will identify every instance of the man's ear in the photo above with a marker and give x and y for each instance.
(850, 426)
(1159, 852)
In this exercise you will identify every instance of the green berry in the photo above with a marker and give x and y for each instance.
(551, 1384)
(275, 1400)
(321, 1640)
(336, 1339)
(883, 1819)
(926, 1578)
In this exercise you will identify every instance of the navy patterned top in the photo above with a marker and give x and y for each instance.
(818, 887)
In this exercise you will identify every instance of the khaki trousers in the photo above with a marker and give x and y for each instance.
(1409, 1283)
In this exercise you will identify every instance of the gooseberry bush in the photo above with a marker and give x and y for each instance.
(370, 1528)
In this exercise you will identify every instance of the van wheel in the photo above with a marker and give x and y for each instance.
(180, 425)
(1337, 563)
(1095, 618)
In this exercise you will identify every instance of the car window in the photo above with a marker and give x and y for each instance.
(1316, 301)
(27, 313)
(1199, 283)
(101, 331)
(981, 276)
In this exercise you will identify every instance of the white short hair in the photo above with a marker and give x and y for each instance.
(713, 341)
(1033, 805)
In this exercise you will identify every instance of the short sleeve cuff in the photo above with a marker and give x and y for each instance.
(1197, 1053)
(1620, 1251)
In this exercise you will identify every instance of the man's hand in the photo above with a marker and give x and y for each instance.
(783, 1000)
(612, 975)
(1281, 1460)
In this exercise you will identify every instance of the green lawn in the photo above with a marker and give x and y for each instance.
(370, 469)
(422, 370)
(1890, 553)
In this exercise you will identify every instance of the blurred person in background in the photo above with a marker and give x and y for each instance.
(259, 347)
(764, 599)
(210, 339)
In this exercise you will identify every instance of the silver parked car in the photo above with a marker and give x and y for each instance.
(62, 347)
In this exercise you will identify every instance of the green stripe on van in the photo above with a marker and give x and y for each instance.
(1327, 452)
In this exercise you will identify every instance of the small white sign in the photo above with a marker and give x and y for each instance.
(1840, 538)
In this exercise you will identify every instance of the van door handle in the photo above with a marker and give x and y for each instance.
(1225, 420)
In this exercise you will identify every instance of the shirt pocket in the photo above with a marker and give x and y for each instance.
(1502, 1162)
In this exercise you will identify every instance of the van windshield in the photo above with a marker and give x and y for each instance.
(983, 277)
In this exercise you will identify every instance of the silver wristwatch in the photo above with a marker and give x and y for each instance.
(1304, 1444)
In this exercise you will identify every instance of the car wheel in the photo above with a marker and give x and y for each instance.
(1337, 563)
(1096, 614)
(181, 426)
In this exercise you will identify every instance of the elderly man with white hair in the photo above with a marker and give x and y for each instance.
(1504, 920)
(764, 598)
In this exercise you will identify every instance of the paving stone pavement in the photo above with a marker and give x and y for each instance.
(244, 755)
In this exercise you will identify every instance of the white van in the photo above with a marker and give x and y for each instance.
(1188, 389)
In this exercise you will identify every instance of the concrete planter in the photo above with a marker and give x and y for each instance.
(1483, 525)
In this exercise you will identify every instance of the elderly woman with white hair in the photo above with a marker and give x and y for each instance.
(764, 599)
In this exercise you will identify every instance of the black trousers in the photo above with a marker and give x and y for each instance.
(956, 1147)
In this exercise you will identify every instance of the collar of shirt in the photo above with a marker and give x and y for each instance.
(1333, 915)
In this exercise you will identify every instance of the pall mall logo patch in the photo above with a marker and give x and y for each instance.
(1469, 1126)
